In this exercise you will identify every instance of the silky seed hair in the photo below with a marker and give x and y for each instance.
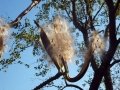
(96, 46)
(97, 43)
(3, 35)
(59, 35)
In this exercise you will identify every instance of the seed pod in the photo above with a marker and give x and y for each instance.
(61, 41)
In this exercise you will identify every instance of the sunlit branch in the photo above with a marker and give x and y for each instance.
(48, 81)
(65, 66)
(20, 16)
(46, 43)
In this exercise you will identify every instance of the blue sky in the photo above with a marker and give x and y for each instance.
(18, 77)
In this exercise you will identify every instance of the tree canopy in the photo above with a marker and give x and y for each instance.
(94, 26)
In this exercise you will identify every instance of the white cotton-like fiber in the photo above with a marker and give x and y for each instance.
(59, 35)
(96, 46)
(97, 43)
(3, 35)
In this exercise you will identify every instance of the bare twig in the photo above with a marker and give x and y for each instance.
(71, 85)
(37, 24)
(115, 62)
(118, 27)
(98, 11)
(68, 14)
(48, 81)
(20, 16)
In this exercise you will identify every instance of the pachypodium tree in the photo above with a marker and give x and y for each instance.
(97, 21)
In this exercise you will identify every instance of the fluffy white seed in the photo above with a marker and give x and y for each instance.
(3, 35)
(59, 35)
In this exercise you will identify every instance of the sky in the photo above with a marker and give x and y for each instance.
(18, 77)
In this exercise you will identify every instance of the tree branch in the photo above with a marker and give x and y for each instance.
(48, 81)
(118, 27)
(78, 25)
(75, 21)
(71, 85)
(90, 20)
(108, 80)
(37, 24)
(68, 14)
(112, 23)
(117, 5)
(107, 76)
(115, 62)
(80, 74)
(108, 57)
(98, 11)
(20, 16)
(100, 72)
(118, 40)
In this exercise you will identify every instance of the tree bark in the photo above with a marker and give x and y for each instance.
(107, 76)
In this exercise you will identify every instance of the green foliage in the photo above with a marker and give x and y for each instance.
(26, 35)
